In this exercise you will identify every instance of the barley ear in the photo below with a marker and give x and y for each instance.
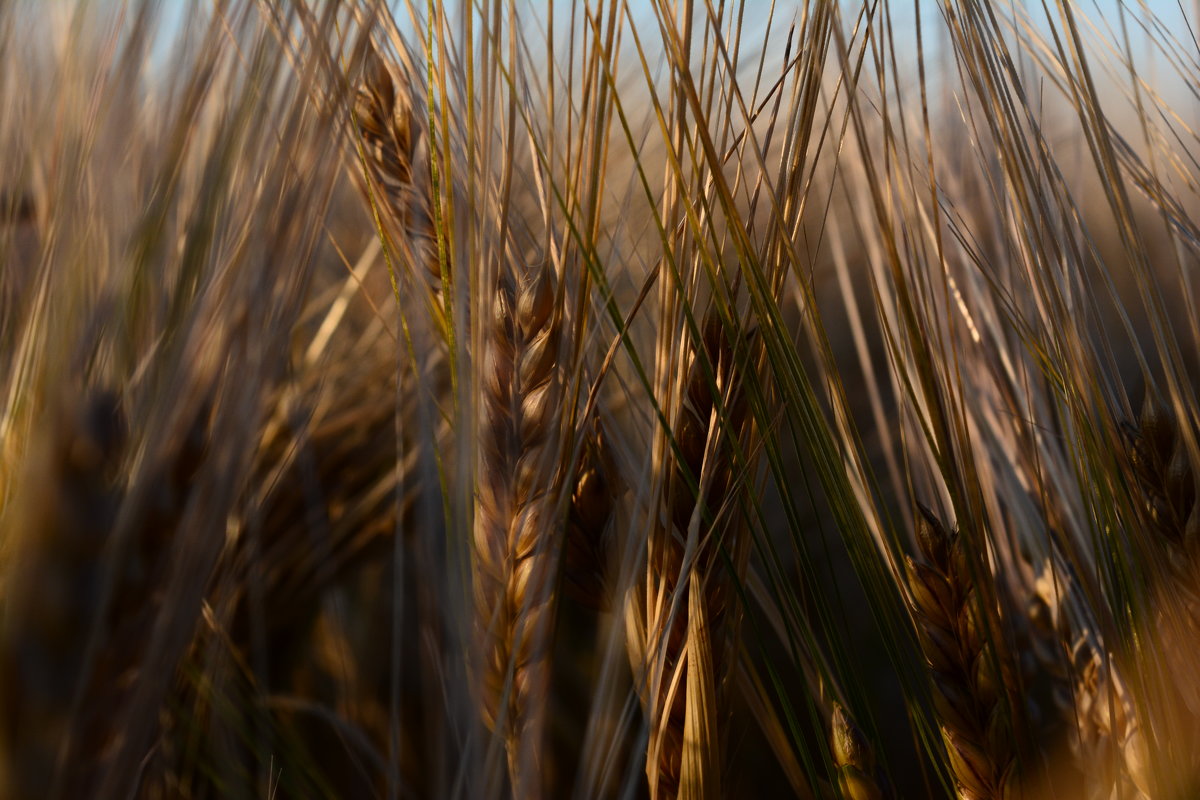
(1106, 744)
(698, 516)
(514, 522)
(393, 168)
(1165, 477)
(969, 694)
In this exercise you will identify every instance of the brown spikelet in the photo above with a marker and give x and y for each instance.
(586, 548)
(514, 517)
(853, 758)
(704, 462)
(969, 693)
(392, 175)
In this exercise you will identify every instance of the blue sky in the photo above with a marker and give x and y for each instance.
(1102, 12)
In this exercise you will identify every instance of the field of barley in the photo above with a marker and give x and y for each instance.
(599, 399)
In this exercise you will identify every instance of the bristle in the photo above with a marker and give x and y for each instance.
(477, 374)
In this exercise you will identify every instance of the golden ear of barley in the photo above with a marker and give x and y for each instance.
(969, 691)
(853, 758)
(586, 548)
(514, 518)
(393, 178)
(1167, 483)
(709, 468)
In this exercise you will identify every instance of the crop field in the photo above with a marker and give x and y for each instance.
(601, 399)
